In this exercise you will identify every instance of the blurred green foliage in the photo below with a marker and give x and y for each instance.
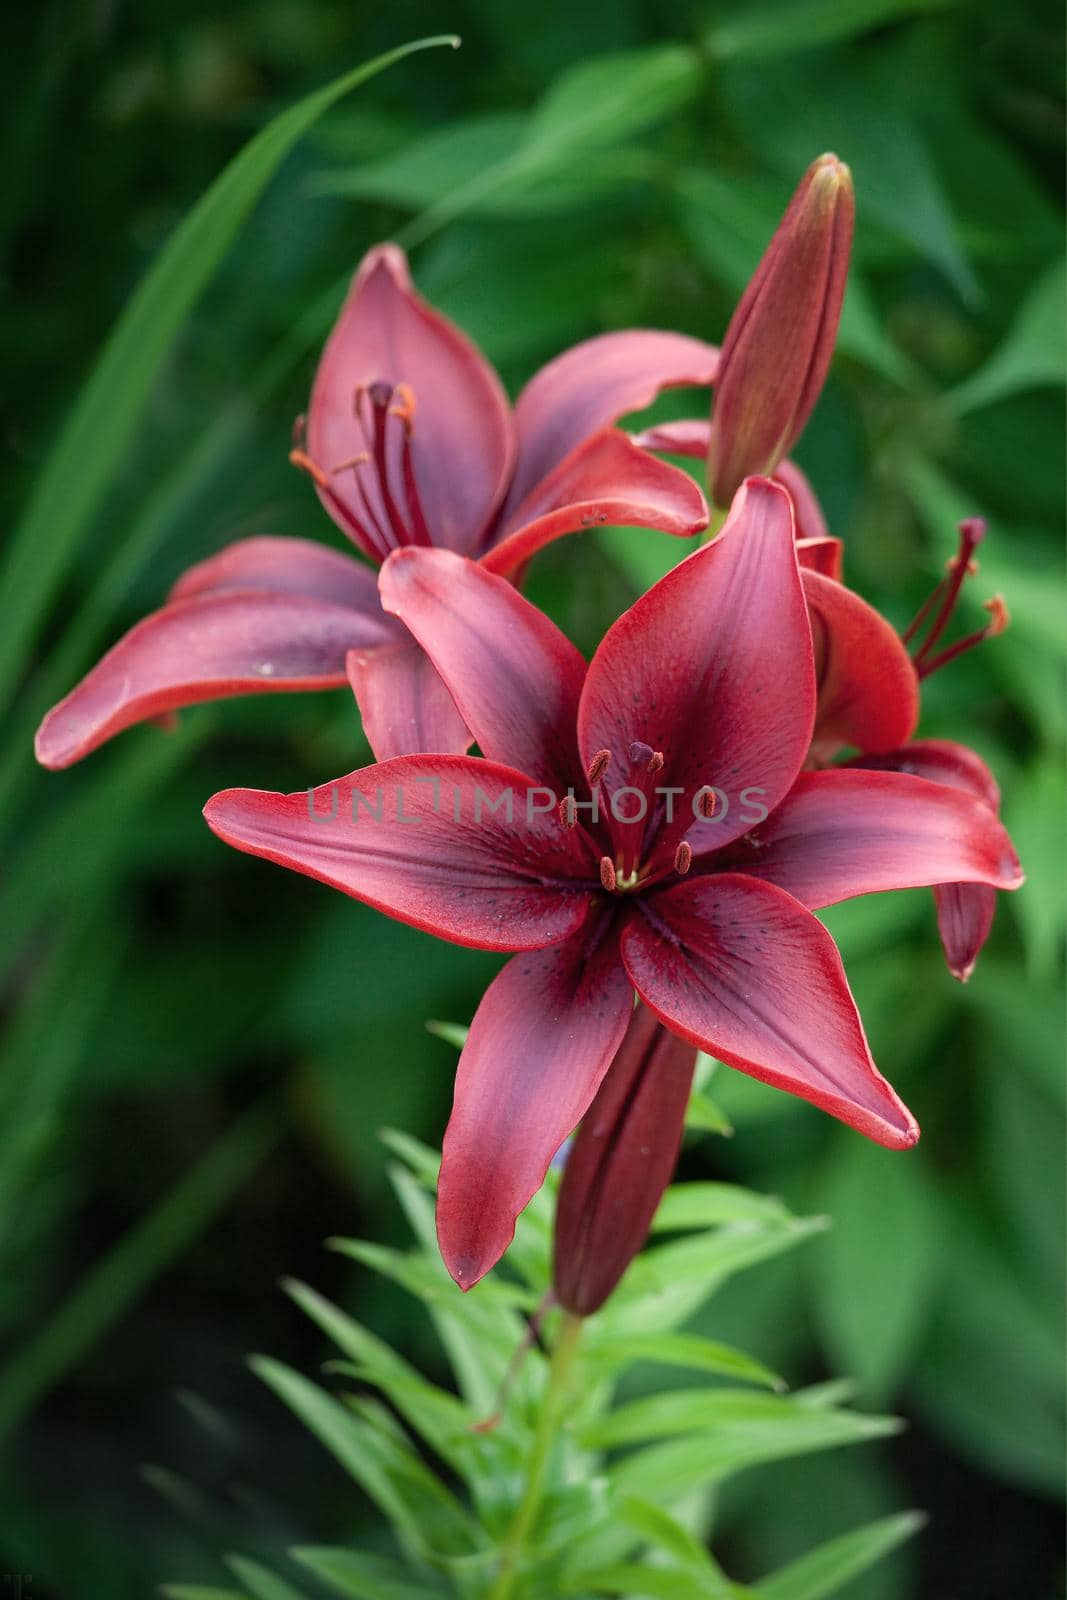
(198, 1050)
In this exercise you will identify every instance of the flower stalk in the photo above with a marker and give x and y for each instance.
(553, 1405)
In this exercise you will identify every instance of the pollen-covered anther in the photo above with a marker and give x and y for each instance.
(404, 405)
(683, 858)
(607, 873)
(568, 811)
(299, 429)
(999, 616)
(597, 767)
(655, 761)
(707, 803)
(301, 459)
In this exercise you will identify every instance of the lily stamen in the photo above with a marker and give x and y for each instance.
(597, 767)
(944, 598)
(301, 459)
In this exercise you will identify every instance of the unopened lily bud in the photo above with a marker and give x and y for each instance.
(621, 1162)
(777, 348)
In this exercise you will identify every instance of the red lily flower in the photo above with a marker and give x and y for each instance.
(410, 441)
(631, 870)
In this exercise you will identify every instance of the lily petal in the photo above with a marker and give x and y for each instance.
(689, 437)
(594, 384)
(712, 670)
(284, 566)
(868, 687)
(208, 647)
(741, 970)
(965, 911)
(843, 833)
(427, 840)
(514, 676)
(462, 438)
(606, 480)
(405, 706)
(807, 512)
(541, 1041)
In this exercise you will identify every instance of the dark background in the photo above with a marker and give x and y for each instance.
(199, 1050)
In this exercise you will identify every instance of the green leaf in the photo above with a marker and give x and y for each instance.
(725, 1414)
(877, 1271)
(665, 1286)
(824, 1571)
(98, 432)
(650, 1583)
(428, 1519)
(1033, 353)
(704, 1205)
(363, 1577)
(676, 1350)
(658, 1528)
(759, 32)
(704, 1116)
(261, 1584)
(762, 1429)
(592, 107)
(199, 1591)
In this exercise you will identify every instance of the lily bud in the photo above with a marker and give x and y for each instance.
(777, 348)
(621, 1162)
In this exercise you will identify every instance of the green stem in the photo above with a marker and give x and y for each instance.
(553, 1404)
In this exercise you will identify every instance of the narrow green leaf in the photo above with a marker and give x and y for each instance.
(593, 106)
(650, 1583)
(261, 1584)
(759, 32)
(704, 1205)
(730, 1416)
(1033, 353)
(363, 1577)
(704, 1116)
(689, 1350)
(663, 1531)
(695, 1460)
(824, 1571)
(99, 429)
(199, 1591)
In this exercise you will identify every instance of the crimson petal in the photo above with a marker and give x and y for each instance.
(462, 438)
(594, 384)
(427, 840)
(741, 970)
(405, 706)
(514, 676)
(868, 688)
(846, 832)
(285, 566)
(607, 479)
(965, 911)
(712, 669)
(207, 647)
(542, 1039)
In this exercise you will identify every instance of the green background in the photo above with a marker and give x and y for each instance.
(198, 1049)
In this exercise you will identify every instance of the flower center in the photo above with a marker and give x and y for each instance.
(375, 489)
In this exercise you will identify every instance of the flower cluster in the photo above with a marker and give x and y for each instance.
(738, 754)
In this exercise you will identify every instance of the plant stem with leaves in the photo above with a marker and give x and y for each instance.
(557, 1389)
